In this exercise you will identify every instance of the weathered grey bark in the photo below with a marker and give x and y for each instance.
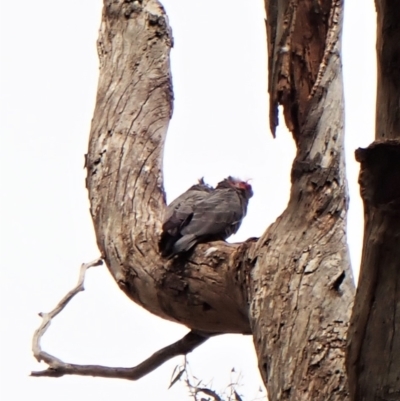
(124, 179)
(303, 287)
(374, 336)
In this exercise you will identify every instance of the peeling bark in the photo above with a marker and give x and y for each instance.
(296, 277)
(373, 361)
(302, 282)
(301, 36)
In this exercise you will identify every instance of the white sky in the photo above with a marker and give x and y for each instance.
(49, 75)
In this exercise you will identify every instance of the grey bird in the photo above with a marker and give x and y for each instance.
(178, 214)
(216, 217)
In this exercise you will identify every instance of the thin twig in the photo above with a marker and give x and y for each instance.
(47, 317)
(58, 368)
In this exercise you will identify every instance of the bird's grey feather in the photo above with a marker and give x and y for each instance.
(178, 213)
(216, 217)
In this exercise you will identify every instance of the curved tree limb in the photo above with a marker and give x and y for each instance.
(58, 368)
(295, 281)
(296, 278)
(206, 292)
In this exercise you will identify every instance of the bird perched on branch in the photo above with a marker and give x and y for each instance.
(215, 217)
(178, 214)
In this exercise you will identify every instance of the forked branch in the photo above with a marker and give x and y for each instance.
(58, 368)
(38, 353)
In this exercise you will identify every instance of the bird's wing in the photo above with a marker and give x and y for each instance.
(181, 209)
(219, 215)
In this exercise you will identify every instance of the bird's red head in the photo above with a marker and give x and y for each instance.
(242, 185)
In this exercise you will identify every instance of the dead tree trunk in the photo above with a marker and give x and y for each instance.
(297, 277)
(374, 335)
(303, 287)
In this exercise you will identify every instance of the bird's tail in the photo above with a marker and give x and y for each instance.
(184, 244)
(166, 244)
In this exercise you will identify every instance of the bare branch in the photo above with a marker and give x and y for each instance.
(58, 368)
(182, 347)
(47, 317)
